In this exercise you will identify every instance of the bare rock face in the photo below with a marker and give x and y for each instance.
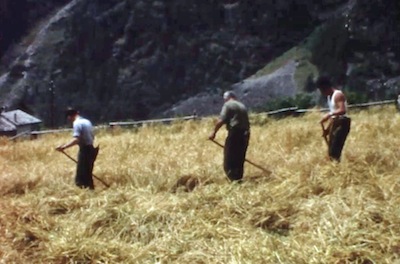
(133, 59)
(253, 92)
(130, 59)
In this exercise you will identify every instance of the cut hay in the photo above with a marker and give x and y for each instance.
(170, 201)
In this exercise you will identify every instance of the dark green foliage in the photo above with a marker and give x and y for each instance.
(354, 97)
(329, 48)
(364, 39)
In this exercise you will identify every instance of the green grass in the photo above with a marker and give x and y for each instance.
(304, 69)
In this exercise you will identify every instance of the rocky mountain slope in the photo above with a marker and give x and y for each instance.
(132, 59)
(253, 92)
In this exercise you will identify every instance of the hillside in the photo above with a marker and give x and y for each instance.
(134, 59)
(308, 210)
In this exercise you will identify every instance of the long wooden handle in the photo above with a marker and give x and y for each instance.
(97, 178)
(252, 163)
(323, 134)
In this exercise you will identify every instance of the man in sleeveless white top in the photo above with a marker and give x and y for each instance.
(339, 123)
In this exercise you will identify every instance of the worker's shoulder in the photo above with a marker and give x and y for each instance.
(81, 121)
(234, 104)
(339, 94)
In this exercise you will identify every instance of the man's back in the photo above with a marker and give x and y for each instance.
(83, 130)
(235, 115)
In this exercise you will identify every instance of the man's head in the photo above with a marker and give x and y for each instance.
(229, 95)
(71, 113)
(324, 84)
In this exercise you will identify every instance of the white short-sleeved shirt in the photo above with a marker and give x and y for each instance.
(83, 129)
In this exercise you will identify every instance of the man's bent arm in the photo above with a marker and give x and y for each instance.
(73, 142)
(218, 125)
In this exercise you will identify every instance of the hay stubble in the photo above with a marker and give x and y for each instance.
(308, 210)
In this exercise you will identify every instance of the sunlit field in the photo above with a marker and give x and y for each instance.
(306, 210)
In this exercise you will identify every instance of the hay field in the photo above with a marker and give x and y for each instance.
(308, 210)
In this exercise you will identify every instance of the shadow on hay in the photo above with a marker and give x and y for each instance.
(19, 188)
(258, 178)
(188, 183)
(274, 221)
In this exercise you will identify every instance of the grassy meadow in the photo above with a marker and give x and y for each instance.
(307, 210)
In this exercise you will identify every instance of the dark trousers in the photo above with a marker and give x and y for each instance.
(235, 153)
(337, 136)
(84, 168)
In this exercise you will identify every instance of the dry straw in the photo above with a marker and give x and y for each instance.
(308, 210)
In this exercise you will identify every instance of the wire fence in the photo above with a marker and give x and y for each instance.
(284, 112)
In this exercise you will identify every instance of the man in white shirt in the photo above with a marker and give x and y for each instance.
(83, 136)
(339, 123)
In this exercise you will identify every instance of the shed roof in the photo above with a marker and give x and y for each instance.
(20, 118)
(6, 126)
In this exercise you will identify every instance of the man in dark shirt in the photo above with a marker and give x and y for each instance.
(84, 137)
(234, 115)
